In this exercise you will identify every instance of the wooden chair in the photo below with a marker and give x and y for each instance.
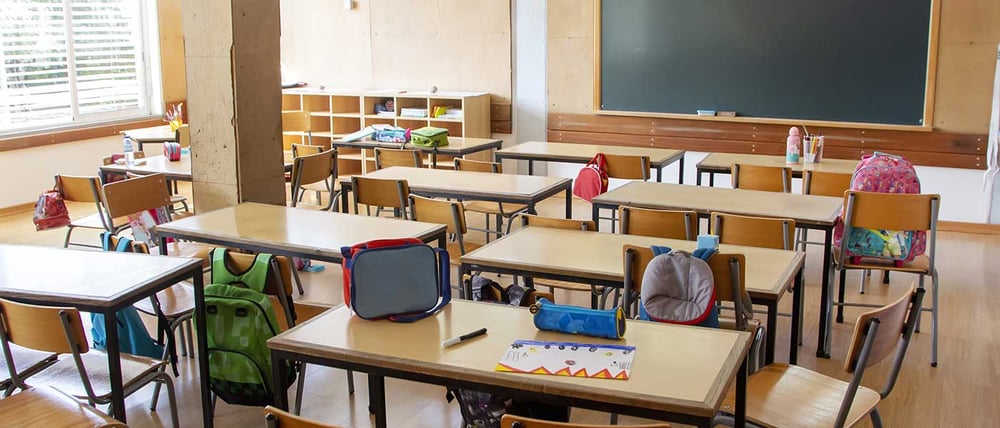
(305, 150)
(315, 172)
(658, 223)
(625, 167)
(380, 193)
(892, 211)
(513, 421)
(497, 209)
(449, 213)
(279, 290)
(298, 122)
(26, 362)
(47, 407)
(781, 395)
(277, 418)
(85, 374)
(777, 233)
(764, 178)
(84, 190)
(134, 195)
(598, 294)
(822, 184)
(174, 197)
(385, 158)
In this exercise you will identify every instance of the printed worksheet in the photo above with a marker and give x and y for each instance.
(568, 359)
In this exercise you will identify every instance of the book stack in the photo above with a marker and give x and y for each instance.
(451, 113)
(412, 112)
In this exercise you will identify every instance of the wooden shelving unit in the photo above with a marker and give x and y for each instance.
(337, 113)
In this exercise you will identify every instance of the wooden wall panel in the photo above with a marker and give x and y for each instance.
(936, 148)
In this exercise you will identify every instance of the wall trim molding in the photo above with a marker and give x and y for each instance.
(964, 227)
(71, 135)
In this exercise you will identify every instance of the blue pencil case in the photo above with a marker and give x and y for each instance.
(576, 320)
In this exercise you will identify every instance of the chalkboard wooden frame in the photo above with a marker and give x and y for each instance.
(929, 89)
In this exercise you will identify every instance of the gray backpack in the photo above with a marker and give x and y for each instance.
(679, 288)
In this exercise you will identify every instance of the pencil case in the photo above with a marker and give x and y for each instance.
(576, 320)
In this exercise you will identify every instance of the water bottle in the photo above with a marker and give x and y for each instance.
(129, 151)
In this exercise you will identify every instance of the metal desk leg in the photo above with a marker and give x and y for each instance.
(463, 269)
(697, 177)
(595, 212)
(771, 334)
(344, 208)
(741, 396)
(531, 167)
(114, 366)
(659, 174)
(680, 172)
(376, 399)
(823, 339)
(797, 299)
(280, 381)
(569, 201)
(711, 179)
(202, 334)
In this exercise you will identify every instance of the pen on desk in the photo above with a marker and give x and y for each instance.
(456, 340)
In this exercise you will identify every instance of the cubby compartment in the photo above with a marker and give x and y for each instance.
(291, 102)
(369, 106)
(406, 105)
(369, 121)
(454, 127)
(316, 103)
(411, 123)
(345, 125)
(454, 104)
(318, 123)
(345, 105)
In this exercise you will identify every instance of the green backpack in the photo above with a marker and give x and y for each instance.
(238, 322)
(429, 136)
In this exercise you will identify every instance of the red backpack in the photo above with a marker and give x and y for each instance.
(883, 173)
(592, 179)
(50, 211)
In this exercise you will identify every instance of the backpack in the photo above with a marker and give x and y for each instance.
(239, 320)
(133, 338)
(679, 288)
(400, 279)
(487, 290)
(882, 173)
(592, 180)
(50, 211)
(429, 136)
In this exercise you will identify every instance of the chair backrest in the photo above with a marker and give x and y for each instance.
(379, 192)
(878, 333)
(312, 168)
(43, 328)
(183, 136)
(513, 421)
(557, 223)
(891, 211)
(241, 262)
(305, 150)
(449, 213)
(277, 418)
(133, 195)
(777, 233)
(385, 158)
(478, 166)
(825, 183)
(628, 167)
(759, 177)
(79, 188)
(659, 223)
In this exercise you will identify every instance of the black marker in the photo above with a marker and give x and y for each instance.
(456, 340)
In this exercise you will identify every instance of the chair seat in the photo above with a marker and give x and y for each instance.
(93, 221)
(318, 186)
(64, 376)
(192, 250)
(47, 407)
(919, 264)
(780, 395)
(176, 301)
(455, 252)
(487, 207)
(27, 361)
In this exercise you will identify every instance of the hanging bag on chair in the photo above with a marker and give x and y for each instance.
(50, 210)
(592, 180)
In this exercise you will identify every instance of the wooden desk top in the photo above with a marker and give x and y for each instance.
(723, 162)
(472, 184)
(676, 368)
(177, 170)
(805, 209)
(154, 134)
(456, 145)
(591, 255)
(93, 279)
(293, 231)
(582, 153)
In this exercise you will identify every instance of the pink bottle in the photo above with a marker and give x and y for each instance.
(792, 146)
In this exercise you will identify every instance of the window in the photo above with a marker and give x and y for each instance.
(68, 62)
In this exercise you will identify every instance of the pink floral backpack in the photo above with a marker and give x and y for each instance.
(883, 173)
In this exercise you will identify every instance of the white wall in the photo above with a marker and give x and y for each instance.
(27, 172)
(529, 112)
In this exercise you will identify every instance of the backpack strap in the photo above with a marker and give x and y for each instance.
(660, 249)
(444, 272)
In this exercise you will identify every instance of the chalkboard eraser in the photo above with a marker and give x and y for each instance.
(706, 112)
(727, 113)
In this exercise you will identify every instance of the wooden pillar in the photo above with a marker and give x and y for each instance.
(234, 101)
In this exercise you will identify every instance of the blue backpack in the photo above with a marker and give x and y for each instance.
(132, 335)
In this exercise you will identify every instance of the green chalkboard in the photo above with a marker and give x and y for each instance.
(832, 60)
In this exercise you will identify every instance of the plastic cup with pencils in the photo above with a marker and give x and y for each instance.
(813, 148)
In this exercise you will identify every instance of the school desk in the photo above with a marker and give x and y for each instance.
(808, 211)
(596, 258)
(722, 163)
(473, 186)
(174, 170)
(153, 134)
(98, 282)
(680, 373)
(457, 146)
(532, 151)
